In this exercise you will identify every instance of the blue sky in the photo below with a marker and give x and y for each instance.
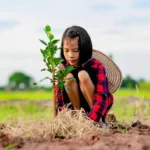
(119, 27)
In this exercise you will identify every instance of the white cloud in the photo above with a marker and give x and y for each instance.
(103, 24)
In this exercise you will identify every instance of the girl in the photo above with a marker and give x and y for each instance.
(90, 90)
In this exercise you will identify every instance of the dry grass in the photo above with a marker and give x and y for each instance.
(142, 106)
(67, 124)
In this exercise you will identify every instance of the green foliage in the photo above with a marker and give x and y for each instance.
(52, 63)
(63, 72)
(47, 28)
(20, 80)
(2, 88)
(143, 85)
(128, 82)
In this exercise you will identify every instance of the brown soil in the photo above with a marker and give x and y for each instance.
(118, 136)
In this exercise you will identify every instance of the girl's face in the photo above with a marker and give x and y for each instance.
(71, 51)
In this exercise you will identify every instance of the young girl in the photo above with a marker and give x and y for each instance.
(90, 90)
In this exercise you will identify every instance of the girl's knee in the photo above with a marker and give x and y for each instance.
(83, 76)
(69, 82)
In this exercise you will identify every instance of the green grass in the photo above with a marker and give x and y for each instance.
(121, 107)
(25, 95)
(122, 111)
(26, 111)
(42, 95)
(133, 92)
(128, 109)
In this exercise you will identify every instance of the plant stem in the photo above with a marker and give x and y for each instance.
(54, 101)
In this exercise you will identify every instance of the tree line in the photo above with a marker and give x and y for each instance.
(129, 82)
(23, 81)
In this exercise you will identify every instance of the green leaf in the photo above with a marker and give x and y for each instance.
(43, 42)
(57, 61)
(51, 37)
(34, 83)
(43, 69)
(44, 60)
(67, 87)
(54, 42)
(59, 75)
(43, 52)
(68, 69)
(59, 48)
(49, 69)
(49, 60)
(47, 28)
(52, 52)
(61, 84)
(55, 48)
(62, 71)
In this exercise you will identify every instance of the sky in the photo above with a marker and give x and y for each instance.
(117, 27)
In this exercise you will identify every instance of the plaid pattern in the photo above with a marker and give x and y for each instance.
(102, 98)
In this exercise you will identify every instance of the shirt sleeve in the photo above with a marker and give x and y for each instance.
(100, 96)
(59, 98)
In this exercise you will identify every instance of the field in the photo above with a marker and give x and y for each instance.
(21, 110)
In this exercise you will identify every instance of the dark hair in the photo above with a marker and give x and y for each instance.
(85, 44)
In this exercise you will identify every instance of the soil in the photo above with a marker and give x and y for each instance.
(118, 137)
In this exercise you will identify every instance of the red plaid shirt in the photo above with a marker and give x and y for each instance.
(102, 98)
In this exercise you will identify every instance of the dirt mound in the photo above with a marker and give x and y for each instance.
(114, 136)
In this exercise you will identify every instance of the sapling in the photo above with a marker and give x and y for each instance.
(53, 64)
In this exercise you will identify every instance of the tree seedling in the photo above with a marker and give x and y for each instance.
(53, 64)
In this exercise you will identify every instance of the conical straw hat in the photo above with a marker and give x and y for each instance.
(113, 72)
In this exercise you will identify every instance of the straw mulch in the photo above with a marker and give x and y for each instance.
(67, 124)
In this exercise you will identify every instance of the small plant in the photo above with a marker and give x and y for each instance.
(53, 63)
(9, 147)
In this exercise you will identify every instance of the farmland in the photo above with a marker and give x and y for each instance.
(39, 103)
(131, 109)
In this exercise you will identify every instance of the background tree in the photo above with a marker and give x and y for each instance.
(128, 82)
(20, 80)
